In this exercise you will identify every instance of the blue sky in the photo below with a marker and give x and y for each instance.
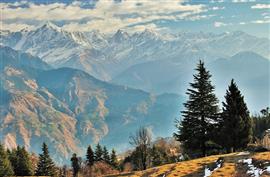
(251, 16)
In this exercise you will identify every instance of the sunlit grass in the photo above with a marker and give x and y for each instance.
(227, 169)
(192, 167)
(262, 156)
(195, 167)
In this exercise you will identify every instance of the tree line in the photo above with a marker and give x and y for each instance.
(100, 155)
(19, 162)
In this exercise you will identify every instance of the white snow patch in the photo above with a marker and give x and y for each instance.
(268, 169)
(252, 170)
(208, 172)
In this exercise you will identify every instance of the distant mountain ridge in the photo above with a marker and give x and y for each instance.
(69, 109)
(107, 56)
(250, 70)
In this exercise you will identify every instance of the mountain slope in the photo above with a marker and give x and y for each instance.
(69, 109)
(29, 114)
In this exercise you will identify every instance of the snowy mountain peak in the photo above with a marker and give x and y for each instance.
(120, 35)
(148, 34)
(51, 26)
(25, 30)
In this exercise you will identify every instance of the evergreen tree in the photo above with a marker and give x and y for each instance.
(12, 155)
(98, 153)
(105, 155)
(5, 165)
(23, 165)
(76, 166)
(200, 115)
(45, 165)
(90, 157)
(236, 128)
(113, 159)
(261, 123)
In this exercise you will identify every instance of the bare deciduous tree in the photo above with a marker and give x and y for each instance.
(141, 140)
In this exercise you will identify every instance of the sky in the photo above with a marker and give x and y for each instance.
(107, 16)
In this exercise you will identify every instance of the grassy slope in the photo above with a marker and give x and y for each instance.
(195, 168)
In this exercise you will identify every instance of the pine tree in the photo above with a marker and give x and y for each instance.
(5, 165)
(45, 165)
(200, 115)
(12, 155)
(105, 155)
(113, 159)
(235, 123)
(23, 165)
(75, 163)
(98, 153)
(90, 157)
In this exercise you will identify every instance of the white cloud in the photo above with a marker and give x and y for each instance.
(242, 1)
(15, 26)
(107, 15)
(151, 26)
(264, 21)
(265, 14)
(219, 24)
(261, 6)
(216, 1)
(261, 21)
(218, 8)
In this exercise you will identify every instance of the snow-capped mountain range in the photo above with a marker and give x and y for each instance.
(106, 56)
(149, 60)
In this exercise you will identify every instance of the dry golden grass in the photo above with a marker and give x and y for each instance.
(195, 167)
(227, 170)
(182, 169)
(262, 156)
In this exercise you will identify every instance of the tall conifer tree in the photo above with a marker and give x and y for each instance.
(23, 165)
(98, 153)
(113, 159)
(201, 113)
(236, 128)
(106, 155)
(90, 157)
(45, 165)
(5, 165)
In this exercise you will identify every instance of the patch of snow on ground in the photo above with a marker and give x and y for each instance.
(208, 172)
(268, 169)
(252, 170)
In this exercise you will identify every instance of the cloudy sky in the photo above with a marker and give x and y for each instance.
(251, 16)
